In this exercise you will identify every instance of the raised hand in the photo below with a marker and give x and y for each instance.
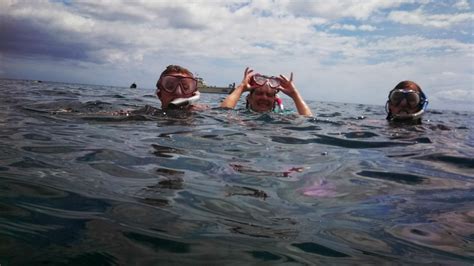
(287, 86)
(246, 80)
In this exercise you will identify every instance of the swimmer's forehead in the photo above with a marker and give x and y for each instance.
(263, 88)
(410, 87)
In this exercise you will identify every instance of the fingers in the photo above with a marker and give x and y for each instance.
(284, 78)
(247, 71)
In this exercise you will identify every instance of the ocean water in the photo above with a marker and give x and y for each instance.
(81, 184)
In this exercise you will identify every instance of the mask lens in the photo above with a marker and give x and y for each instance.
(396, 97)
(273, 82)
(169, 83)
(412, 99)
(189, 85)
(259, 80)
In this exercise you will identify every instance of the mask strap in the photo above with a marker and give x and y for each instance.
(423, 101)
(389, 114)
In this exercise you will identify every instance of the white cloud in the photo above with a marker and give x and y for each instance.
(351, 27)
(366, 27)
(358, 9)
(462, 5)
(455, 95)
(417, 45)
(418, 17)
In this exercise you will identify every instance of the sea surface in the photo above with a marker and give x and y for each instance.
(84, 183)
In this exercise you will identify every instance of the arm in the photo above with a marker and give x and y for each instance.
(231, 100)
(288, 88)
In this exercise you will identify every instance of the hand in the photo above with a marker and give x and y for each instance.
(287, 86)
(246, 80)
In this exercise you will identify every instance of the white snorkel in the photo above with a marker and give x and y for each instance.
(185, 101)
(414, 116)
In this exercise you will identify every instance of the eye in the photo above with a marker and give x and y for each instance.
(259, 80)
(167, 85)
(274, 83)
(396, 97)
(413, 99)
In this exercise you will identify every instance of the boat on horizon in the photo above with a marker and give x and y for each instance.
(203, 87)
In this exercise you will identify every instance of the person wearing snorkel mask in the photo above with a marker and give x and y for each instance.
(406, 102)
(263, 91)
(178, 89)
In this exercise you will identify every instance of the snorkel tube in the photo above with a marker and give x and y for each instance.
(181, 102)
(408, 117)
(278, 105)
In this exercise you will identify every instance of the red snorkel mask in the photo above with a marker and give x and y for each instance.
(259, 80)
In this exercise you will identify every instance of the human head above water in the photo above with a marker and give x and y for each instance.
(176, 85)
(406, 102)
(262, 96)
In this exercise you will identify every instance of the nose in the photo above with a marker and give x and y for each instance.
(179, 89)
(403, 102)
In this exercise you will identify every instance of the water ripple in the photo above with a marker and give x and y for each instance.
(401, 178)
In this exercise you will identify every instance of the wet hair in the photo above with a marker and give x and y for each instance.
(174, 69)
(407, 84)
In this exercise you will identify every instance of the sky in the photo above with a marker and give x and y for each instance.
(352, 51)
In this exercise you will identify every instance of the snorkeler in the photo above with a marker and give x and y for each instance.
(406, 102)
(178, 89)
(263, 91)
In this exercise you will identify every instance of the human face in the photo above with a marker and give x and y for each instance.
(262, 99)
(175, 85)
(404, 101)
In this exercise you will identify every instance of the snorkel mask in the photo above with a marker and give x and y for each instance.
(413, 98)
(259, 80)
(187, 94)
